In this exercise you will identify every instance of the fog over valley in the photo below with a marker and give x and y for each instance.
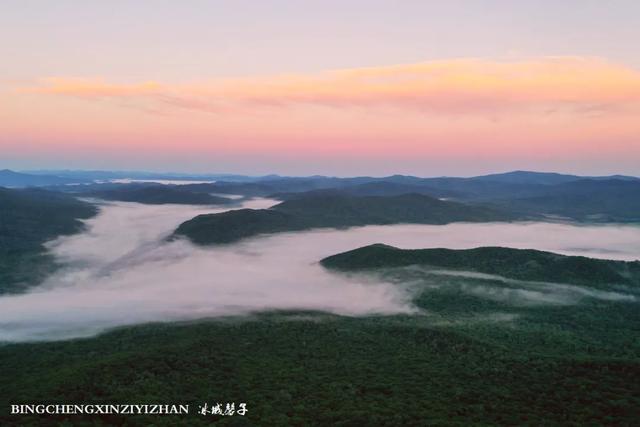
(121, 270)
(320, 213)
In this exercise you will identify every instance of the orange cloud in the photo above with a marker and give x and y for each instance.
(464, 86)
(93, 88)
(554, 111)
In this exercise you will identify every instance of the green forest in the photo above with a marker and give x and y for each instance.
(28, 219)
(332, 209)
(497, 336)
(463, 359)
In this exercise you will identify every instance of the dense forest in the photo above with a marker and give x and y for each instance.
(466, 360)
(536, 195)
(157, 195)
(331, 209)
(533, 194)
(29, 218)
(497, 336)
(521, 264)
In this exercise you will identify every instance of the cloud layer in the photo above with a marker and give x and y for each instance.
(121, 271)
(464, 86)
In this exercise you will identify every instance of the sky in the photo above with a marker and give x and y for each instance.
(321, 87)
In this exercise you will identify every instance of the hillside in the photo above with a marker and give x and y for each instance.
(616, 200)
(345, 210)
(519, 264)
(524, 193)
(230, 226)
(158, 194)
(335, 210)
(28, 218)
(378, 188)
(528, 177)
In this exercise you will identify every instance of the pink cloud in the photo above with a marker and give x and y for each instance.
(465, 86)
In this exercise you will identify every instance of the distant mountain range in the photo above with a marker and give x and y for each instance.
(610, 200)
(10, 178)
(476, 188)
(320, 201)
(157, 195)
(604, 199)
(270, 184)
(545, 178)
(101, 175)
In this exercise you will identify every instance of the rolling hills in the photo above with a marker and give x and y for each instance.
(335, 210)
(29, 218)
(9, 178)
(157, 194)
(536, 195)
(613, 198)
(519, 264)
(588, 200)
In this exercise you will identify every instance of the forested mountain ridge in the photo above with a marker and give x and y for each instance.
(157, 195)
(612, 200)
(334, 210)
(29, 218)
(9, 178)
(519, 264)
(537, 195)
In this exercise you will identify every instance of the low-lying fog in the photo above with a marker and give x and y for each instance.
(121, 271)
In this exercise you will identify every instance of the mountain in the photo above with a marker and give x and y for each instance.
(611, 200)
(377, 188)
(158, 194)
(249, 189)
(267, 187)
(336, 210)
(543, 178)
(29, 218)
(390, 188)
(95, 175)
(9, 178)
(345, 210)
(524, 193)
(528, 177)
(230, 226)
(481, 189)
(519, 264)
(287, 186)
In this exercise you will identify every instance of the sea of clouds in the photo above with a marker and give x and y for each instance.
(123, 271)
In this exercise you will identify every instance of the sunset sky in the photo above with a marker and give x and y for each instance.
(321, 87)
